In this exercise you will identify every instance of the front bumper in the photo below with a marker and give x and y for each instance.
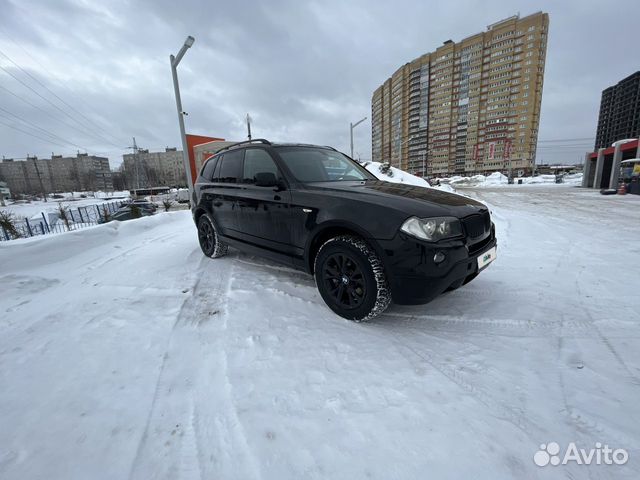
(414, 276)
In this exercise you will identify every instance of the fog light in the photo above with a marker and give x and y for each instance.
(439, 257)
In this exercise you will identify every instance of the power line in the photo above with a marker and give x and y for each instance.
(47, 132)
(567, 140)
(56, 107)
(59, 82)
(31, 134)
(50, 91)
(42, 110)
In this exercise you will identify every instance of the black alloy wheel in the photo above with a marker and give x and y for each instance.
(344, 280)
(351, 279)
(208, 238)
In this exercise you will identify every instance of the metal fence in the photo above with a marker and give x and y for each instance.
(79, 217)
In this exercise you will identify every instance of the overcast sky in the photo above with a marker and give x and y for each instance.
(303, 70)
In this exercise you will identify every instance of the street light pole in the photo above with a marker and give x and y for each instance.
(400, 151)
(176, 87)
(248, 126)
(352, 126)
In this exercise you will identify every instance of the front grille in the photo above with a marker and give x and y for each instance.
(476, 247)
(477, 225)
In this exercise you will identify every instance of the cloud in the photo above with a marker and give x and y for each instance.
(303, 70)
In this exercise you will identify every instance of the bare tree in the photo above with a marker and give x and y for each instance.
(63, 213)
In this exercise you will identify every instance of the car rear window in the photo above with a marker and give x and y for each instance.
(231, 168)
(209, 167)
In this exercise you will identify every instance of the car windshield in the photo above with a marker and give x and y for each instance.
(310, 165)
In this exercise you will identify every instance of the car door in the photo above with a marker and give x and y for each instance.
(224, 192)
(264, 212)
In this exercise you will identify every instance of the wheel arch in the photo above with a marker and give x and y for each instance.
(332, 229)
(200, 211)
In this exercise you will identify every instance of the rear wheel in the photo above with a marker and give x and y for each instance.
(350, 278)
(208, 238)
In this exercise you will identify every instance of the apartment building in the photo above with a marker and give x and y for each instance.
(619, 112)
(35, 175)
(154, 169)
(469, 107)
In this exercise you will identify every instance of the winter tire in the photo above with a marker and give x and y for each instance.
(351, 279)
(208, 237)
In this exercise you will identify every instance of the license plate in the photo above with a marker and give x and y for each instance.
(487, 257)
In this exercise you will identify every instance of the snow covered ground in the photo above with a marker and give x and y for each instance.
(35, 208)
(497, 179)
(126, 354)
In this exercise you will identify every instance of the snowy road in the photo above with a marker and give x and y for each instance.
(125, 354)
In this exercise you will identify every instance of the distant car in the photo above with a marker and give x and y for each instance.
(366, 241)
(125, 213)
(145, 205)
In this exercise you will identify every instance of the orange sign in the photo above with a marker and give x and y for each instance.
(192, 141)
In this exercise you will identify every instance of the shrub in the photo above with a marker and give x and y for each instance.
(135, 211)
(167, 204)
(8, 222)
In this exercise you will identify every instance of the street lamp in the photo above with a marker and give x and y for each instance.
(424, 157)
(354, 125)
(400, 150)
(176, 87)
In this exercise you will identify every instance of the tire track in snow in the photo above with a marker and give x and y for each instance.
(491, 327)
(94, 264)
(192, 406)
(509, 413)
(220, 423)
(160, 386)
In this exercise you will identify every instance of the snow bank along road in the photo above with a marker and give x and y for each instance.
(124, 354)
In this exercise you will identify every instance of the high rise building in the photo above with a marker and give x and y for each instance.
(469, 107)
(56, 174)
(619, 112)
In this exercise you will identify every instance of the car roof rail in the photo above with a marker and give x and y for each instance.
(246, 142)
(304, 145)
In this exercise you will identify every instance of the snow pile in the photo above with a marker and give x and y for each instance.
(496, 178)
(393, 174)
(573, 178)
(499, 179)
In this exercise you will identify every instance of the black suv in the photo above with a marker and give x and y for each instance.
(367, 242)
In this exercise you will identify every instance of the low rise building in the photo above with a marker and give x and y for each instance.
(145, 169)
(56, 174)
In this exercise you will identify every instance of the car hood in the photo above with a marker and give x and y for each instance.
(410, 199)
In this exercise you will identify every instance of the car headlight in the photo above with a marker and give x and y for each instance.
(432, 229)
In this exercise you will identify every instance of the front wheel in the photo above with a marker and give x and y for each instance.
(351, 279)
(208, 238)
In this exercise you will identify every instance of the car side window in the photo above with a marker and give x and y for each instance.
(216, 173)
(207, 170)
(231, 168)
(257, 161)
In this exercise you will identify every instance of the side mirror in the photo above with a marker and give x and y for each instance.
(266, 179)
